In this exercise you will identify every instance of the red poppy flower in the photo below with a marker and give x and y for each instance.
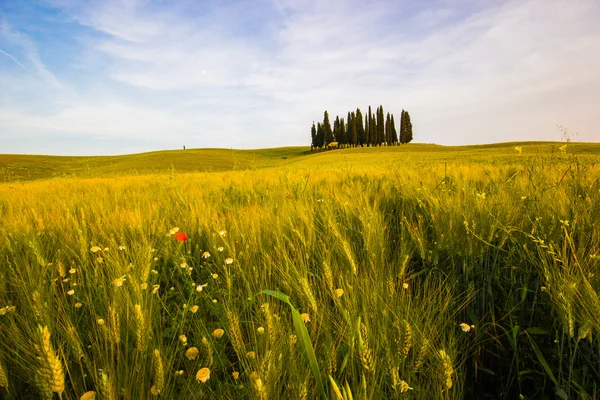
(182, 237)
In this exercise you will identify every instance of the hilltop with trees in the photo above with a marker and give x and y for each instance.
(378, 129)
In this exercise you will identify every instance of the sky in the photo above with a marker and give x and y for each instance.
(127, 76)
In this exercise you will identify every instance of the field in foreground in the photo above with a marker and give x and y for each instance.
(386, 251)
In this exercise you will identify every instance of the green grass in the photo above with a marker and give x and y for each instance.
(33, 167)
(419, 238)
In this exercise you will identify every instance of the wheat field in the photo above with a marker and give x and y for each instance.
(419, 272)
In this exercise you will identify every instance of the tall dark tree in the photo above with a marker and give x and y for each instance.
(373, 128)
(313, 135)
(388, 129)
(408, 124)
(354, 129)
(403, 127)
(369, 128)
(360, 129)
(349, 130)
(394, 133)
(342, 132)
(327, 129)
(336, 129)
(380, 126)
(320, 135)
(367, 132)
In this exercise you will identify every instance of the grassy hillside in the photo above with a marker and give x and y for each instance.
(423, 272)
(30, 167)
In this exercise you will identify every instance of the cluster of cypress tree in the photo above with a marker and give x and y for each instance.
(377, 130)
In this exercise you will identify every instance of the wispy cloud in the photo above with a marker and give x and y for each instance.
(259, 72)
(30, 53)
(15, 61)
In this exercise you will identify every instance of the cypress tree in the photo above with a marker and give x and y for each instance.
(320, 135)
(388, 130)
(349, 130)
(394, 133)
(360, 129)
(369, 129)
(354, 129)
(342, 132)
(409, 133)
(336, 129)
(313, 135)
(327, 129)
(380, 126)
(382, 132)
(402, 127)
(367, 132)
(373, 128)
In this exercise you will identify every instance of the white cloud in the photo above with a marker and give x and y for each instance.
(260, 73)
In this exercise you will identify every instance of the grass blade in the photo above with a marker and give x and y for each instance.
(303, 338)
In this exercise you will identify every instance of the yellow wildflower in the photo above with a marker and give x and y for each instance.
(465, 327)
(194, 308)
(206, 254)
(305, 317)
(203, 375)
(229, 261)
(71, 292)
(119, 281)
(217, 333)
(339, 292)
(199, 288)
(95, 249)
(183, 339)
(173, 231)
(192, 353)
(404, 387)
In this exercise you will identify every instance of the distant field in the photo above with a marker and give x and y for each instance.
(422, 272)
(32, 167)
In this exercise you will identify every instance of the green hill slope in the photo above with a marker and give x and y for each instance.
(14, 167)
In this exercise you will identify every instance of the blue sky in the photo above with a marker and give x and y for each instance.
(124, 76)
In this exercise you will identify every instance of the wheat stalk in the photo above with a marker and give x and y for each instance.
(3, 376)
(108, 392)
(159, 374)
(51, 368)
(447, 368)
(115, 324)
(140, 327)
